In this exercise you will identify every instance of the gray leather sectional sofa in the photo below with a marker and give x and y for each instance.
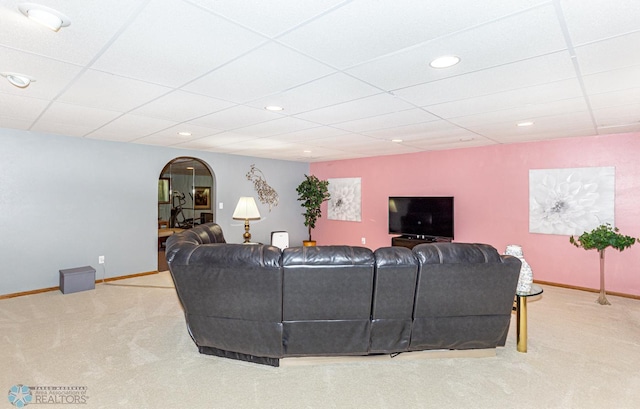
(259, 304)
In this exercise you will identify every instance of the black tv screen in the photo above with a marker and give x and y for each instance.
(419, 216)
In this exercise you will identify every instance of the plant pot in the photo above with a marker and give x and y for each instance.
(309, 243)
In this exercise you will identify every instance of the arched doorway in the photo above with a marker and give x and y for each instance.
(186, 197)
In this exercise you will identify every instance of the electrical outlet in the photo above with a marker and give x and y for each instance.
(100, 259)
(364, 240)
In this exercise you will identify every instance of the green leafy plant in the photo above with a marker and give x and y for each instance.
(600, 238)
(312, 192)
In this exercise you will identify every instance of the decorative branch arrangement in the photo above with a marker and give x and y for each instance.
(600, 238)
(266, 194)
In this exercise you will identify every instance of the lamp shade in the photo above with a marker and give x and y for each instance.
(246, 209)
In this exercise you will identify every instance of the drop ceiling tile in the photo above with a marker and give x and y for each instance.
(305, 135)
(609, 54)
(518, 37)
(79, 120)
(384, 121)
(163, 139)
(540, 70)
(330, 90)
(235, 117)
(171, 135)
(377, 28)
(523, 112)
(267, 70)
(92, 27)
(173, 42)
(615, 98)
(262, 147)
(217, 140)
(130, 128)
(181, 106)
(563, 122)
(345, 141)
(382, 148)
(618, 116)
(61, 128)
(334, 155)
(50, 76)
(276, 126)
(614, 80)
(258, 144)
(543, 135)
(618, 129)
(14, 123)
(425, 130)
(360, 145)
(216, 149)
(539, 94)
(296, 153)
(362, 108)
(105, 91)
(592, 20)
(317, 154)
(462, 140)
(21, 107)
(270, 18)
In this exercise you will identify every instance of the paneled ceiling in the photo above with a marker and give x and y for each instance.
(351, 75)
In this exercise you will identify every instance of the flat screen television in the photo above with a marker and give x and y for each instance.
(421, 216)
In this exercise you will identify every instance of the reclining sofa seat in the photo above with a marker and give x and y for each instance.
(394, 290)
(327, 300)
(231, 294)
(464, 296)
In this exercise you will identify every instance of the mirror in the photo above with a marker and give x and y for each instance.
(186, 194)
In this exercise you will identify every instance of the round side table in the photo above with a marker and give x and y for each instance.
(521, 314)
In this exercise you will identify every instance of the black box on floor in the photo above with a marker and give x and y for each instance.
(77, 279)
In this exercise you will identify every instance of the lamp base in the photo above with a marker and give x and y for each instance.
(246, 235)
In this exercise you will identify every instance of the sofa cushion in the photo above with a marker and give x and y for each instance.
(447, 253)
(327, 283)
(186, 241)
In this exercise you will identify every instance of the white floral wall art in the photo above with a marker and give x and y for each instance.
(570, 201)
(346, 199)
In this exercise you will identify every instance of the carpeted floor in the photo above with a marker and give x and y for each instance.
(129, 347)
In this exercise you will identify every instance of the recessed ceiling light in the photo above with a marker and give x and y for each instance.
(19, 80)
(525, 123)
(273, 108)
(46, 16)
(396, 140)
(306, 151)
(445, 61)
(184, 133)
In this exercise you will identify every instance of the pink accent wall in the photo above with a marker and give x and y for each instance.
(491, 189)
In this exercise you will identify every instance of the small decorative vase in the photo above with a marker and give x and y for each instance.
(526, 275)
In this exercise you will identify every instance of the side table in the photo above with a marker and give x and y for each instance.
(521, 314)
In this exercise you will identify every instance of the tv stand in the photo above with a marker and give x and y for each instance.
(412, 241)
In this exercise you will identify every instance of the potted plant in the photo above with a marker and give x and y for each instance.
(312, 192)
(600, 238)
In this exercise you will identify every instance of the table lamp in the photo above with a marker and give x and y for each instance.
(246, 210)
